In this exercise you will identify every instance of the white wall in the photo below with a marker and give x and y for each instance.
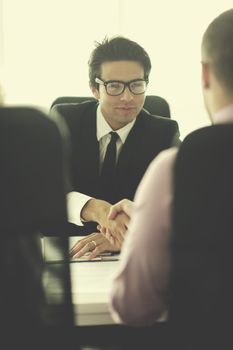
(1, 49)
(47, 45)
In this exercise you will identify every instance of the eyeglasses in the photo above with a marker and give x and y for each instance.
(116, 87)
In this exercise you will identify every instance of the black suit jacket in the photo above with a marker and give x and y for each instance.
(149, 135)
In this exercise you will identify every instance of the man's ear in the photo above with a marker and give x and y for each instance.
(95, 92)
(205, 75)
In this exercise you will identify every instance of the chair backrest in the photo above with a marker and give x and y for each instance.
(157, 105)
(201, 303)
(33, 151)
(154, 104)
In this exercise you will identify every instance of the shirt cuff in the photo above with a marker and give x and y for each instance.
(75, 203)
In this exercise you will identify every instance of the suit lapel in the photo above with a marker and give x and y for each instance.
(132, 145)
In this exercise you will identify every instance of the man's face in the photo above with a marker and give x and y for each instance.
(120, 110)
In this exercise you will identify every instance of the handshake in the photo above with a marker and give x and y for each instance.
(112, 226)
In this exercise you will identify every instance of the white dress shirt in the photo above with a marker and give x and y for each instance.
(77, 200)
(138, 295)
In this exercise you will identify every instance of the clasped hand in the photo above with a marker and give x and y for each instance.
(112, 227)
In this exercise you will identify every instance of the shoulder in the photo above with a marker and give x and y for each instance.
(161, 130)
(164, 160)
(156, 121)
(159, 173)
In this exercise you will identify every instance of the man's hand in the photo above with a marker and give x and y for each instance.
(101, 244)
(98, 210)
(115, 230)
(125, 206)
(120, 211)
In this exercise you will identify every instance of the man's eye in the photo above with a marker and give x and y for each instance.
(136, 84)
(114, 86)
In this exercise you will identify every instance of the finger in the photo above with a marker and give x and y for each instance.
(90, 244)
(112, 213)
(74, 247)
(115, 237)
(103, 230)
(102, 247)
(79, 245)
(87, 248)
(116, 209)
(82, 242)
(109, 235)
(74, 250)
(114, 240)
(119, 234)
(126, 221)
(119, 240)
(95, 252)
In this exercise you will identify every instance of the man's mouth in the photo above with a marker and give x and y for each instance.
(126, 108)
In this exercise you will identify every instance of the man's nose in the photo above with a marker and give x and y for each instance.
(127, 94)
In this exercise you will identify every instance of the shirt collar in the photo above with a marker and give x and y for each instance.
(103, 127)
(224, 115)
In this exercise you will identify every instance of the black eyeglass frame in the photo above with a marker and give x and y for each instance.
(126, 84)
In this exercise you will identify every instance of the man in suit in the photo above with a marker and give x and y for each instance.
(119, 73)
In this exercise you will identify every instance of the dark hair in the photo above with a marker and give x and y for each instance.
(217, 47)
(117, 49)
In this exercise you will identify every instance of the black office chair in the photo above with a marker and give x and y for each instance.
(154, 104)
(33, 149)
(201, 303)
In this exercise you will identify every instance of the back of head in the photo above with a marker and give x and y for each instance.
(117, 49)
(217, 48)
(31, 155)
(201, 286)
(33, 152)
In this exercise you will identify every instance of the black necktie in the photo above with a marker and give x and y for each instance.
(108, 168)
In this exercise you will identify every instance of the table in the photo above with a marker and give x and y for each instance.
(90, 285)
(91, 282)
